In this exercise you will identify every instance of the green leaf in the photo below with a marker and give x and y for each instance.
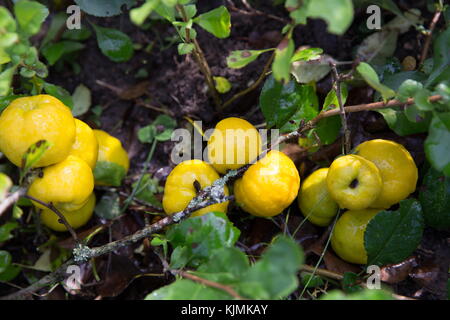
(371, 77)
(148, 188)
(138, 15)
(82, 100)
(337, 13)
(5, 80)
(281, 66)
(279, 102)
(434, 196)
(349, 282)
(391, 236)
(109, 206)
(5, 260)
(109, 173)
(216, 21)
(185, 48)
(277, 269)
(222, 84)
(226, 265)
(6, 229)
(60, 93)
(114, 44)
(385, 4)
(55, 51)
(104, 8)
(441, 59)
(5, 185)
(421, 100)
(436, 146)
(202, 235)
(164, 125)
(401, 125)
(408, 89)
(307, 54)
(7, 21)
(306, 109)
(310, 71)
(10, 273)
(33, 154)
(184, 289)
(310, 281)
(240, 58)
(30, 15)
(77, 34)
(147, 134)
(58, 22)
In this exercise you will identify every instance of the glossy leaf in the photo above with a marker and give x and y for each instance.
(401, 125)
(82, 100)
(104, 8)
(60, 93)
(435, 199)
(391, 236)
(281, 66)
(436, 146)
(279, 103)
(6, 230)
(114, 44)
(216, 21)
(33, 154)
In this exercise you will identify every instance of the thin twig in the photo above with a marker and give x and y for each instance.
(200, 58)
(427, 43)
(255, 85)
(337, 87)
(11, 199)
(61, 217)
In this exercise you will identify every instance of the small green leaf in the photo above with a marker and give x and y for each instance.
(391, 236)
(337, 13)
(81, 100)
(5, 260)
(281, 66)
(421, 100)
(138, 15)
(222, 84)
(33, 154)
(349, 282)
(307, 54)
(10, 273)
(6, 230)
(434, 196)
(114, 44)
(109, 173)
(240, 58)
(279, 103)
(55, 51)
(148, 188)
(30, 15)
(5, 185)
(147, 134)
(5, 80)
(408, 89)
(310, 281)
(7, 21)
(60, 93)
(77, 34)
(436, 146)
(371, 77)
(401, 125)
(104, 8)
(109, 206)
(185, 48)
(164, 126)
(58, 22)
(202, 235)
(216, 21)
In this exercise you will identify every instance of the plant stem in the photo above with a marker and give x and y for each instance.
(201, 61)
(144, 170)
(427, 44)
(253, 86)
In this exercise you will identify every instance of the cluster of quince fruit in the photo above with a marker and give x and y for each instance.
(379, 174)
(66, 180)
(266, 188)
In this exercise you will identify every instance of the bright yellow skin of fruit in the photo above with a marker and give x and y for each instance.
(315, 201)
(85, 146)
(110, 149)
(354, 182)
(180, 190)
(397, 168)
(67, 184)
(76, 218)
(269, 186)
(30, 119)
(348, 235)
(234, 143)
